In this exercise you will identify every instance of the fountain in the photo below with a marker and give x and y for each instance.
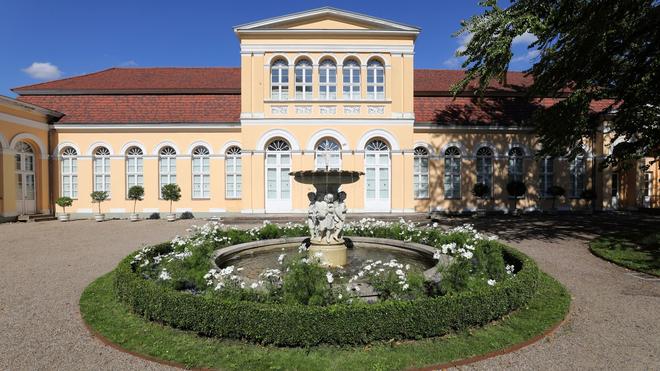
(326, 214)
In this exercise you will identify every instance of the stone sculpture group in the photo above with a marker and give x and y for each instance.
(326, 217)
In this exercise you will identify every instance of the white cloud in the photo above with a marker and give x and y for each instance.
(524, 39)
(43, 71)
(455, 61)
(130, 63)
(531, 54)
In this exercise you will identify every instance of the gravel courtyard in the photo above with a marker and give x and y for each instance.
(614, 321)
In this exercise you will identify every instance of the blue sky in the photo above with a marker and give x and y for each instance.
(43, 40)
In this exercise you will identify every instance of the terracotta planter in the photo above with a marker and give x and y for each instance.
(171, 217)
(134, 217)
(64, 217)
(99, 217)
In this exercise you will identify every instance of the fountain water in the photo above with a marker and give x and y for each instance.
(327, 212)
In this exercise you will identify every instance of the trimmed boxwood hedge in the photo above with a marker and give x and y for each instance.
(341, 324)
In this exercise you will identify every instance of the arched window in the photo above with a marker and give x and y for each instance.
(421, 172)
(279, 80)
(134, 168)
(578, 172)
(328, 154)
(102, 169)
(452, 173)
(351, 73)
(278, 181)
(485, 167)
(516, 156)
(546, 175)
(328, 80)
(26, 202)
(303, 79)
(377, 174)
(167, 167)
(233, 173)
(69, 176)
(201, 172)
(375, 80)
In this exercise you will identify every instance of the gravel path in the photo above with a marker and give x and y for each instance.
(615, 320)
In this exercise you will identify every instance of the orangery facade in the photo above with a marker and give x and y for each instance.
(322, 89)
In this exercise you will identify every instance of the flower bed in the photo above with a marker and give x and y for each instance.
(476, 290)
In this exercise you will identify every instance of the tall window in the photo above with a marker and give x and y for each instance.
(278, 181)
(134, 168)
(328, 155)
(377, 174)
(351, 73)
(375, 80)
(102, 169)
(328, 80)
(646, 184)
(69, 163)
(516, 156)
(577, 175)
(233, 173)
(421, 173)
(279, 80)
(485, 167)
(201, 158)
(303, 79)
(546, 176)
(453, 173)
(166, 166)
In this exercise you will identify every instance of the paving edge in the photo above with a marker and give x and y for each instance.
(441, 366)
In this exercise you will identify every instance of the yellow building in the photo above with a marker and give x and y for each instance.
(319, 89)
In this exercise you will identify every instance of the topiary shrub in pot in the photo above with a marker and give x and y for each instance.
(589, 195)
(554, 192)
(64, 202)
(516, 189)
(154, 216)
(172, 193)
(187, 215)
(481, 191)
(98, 197)
(135, 194)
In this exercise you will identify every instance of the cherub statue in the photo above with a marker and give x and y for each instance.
(340, 216)
(325, 217)
(312, 219)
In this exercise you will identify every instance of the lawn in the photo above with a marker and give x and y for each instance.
(635, 251)
(113, 321)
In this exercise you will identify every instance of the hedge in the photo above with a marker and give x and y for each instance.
(341, 324)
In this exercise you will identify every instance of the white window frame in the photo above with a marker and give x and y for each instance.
(69, 172)
(201, 173)
(452, 174)
(375, 89)
(134, 168)
(327, 154)
(304, 79)
(421, 176)
(485, 158)
(351, 72)
(546, 176)
(328, 80)
(102, 161)
(279, 80)
(166, 157)
(233, 173)
(578, 170)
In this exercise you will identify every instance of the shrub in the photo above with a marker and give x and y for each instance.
(171, 192)
(187, 215)
(556, 191)
(98, 197)
(481, 190)
(135, 193)
(154, 216)
(64, 202)
(306, 283)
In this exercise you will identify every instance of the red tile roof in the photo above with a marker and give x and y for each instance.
(190, 108)
(440, 81)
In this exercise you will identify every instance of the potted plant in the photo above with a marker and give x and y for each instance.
(135, 193)
(172, 193)
(516, 189)
(589, 195)
(481, 191)
(98, 197)
(64, 202)
(554, 192)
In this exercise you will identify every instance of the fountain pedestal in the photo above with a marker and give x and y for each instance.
(327, 212)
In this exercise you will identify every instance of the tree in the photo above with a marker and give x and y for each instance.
(64, 202)
(588, 51)
(98, 197)
(516, 189)
(481, 191)
(172, 193)
(135, 193)
(556, 191)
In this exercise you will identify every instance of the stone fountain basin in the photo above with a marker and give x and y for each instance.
(326, 176)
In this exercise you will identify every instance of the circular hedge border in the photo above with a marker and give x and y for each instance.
(342, 324)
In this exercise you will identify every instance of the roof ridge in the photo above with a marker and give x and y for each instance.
(64, 79)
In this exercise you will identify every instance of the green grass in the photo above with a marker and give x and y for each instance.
(634, 251)
(116, 323)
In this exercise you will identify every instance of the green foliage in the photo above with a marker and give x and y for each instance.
(455, 277)
(615, 45)
(640, 252)
(588, 194)
(154, 216)
(135, 193)
(64, 202)
(389, 287)
(305, 283)
(187, 215)
(98, 197)
(481, 190)
(171, 192)
(516, 188)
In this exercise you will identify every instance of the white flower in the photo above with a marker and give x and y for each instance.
(399, 272)
(280, 259)
(254, 285)
(164, 275)
(467, 254)
(302, 248)
(405, 287)
(491, 282)
(407, 266)
(329, 277)
(340, 296)
(318, 254)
